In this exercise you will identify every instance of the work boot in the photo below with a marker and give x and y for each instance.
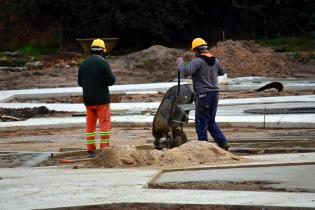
(91, 154)
(225, 147)
(104, 146)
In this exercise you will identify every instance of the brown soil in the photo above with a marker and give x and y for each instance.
(158, 64)
(26, 113)
(246, 58)
(190, 153)
(43, 78)
(54, 139)
(240, 186)
(50, 100)
(143, 98)
(240, 58)
(78, 99)
(155, 64)
(162, 206)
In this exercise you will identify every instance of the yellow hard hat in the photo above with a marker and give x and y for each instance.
(197, 42)
(98, 43)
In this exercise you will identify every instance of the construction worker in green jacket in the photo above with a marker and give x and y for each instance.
(95, 75)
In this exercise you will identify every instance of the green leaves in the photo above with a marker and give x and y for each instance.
(141, 23)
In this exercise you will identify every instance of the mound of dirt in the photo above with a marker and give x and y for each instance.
(155, 64)
(191, 153)
(246, 58)
(158, 64)
(240, 58)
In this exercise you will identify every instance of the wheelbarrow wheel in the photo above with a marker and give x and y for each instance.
(179, 137)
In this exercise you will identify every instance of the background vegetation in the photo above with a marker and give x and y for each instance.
(55, 24)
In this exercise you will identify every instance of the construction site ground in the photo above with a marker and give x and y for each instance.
(269, 166)
(42, 149)
(54, 140)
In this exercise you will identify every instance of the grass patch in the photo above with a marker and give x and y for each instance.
(290, 44)
(32, 50)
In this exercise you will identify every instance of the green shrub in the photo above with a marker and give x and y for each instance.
(31, 50)
(291, 44)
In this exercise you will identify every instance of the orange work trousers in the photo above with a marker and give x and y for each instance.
(102, 114)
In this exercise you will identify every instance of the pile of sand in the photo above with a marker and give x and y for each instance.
(246, 58)
(191, 153)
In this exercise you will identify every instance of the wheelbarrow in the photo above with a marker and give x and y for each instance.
(170, 117)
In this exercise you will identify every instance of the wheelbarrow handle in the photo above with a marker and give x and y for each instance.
(178, 83)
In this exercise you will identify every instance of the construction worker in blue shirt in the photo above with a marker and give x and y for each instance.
(204, 70)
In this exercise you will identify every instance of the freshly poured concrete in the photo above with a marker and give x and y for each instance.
(258, 121)
(237, 84)
(40, 188)
(55, 92)
(305, 99)
(290, 178)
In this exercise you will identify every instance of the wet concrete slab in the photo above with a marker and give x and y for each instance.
(297, 158)
(287, 178)
(22, 159)
(306, 100)
(46, 188)
(74, 91)
(236, 84)
(62, 187)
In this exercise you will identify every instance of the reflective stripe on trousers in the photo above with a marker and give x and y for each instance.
(102, 114)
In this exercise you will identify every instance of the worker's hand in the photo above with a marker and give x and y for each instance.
(180, 59)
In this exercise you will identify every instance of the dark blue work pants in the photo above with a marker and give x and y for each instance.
(206, 109)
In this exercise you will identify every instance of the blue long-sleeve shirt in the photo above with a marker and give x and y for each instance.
(204, 76)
